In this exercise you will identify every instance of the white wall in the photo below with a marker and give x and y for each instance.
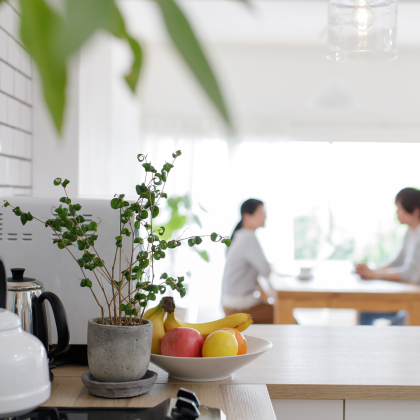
(16, 107)
(109, 116)
(54, 155)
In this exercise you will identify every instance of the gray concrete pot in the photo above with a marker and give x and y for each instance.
(117, 353)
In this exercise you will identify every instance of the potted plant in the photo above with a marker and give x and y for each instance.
(120, 339)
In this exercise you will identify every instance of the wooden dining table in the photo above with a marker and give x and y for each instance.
(334, 284)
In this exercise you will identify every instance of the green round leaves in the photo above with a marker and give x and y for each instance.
(167, 167)
(198, 240)
(141, 189)
(57, 181)
(149, 168)
(93, 226)
(143, 214)
(114, 203)
(157, 180)
(86, 283)
(17, 211)
(143, 264)
(141, 157)
(26, 217)
(226, 241)
(215, 237)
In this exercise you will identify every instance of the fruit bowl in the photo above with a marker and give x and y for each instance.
(210, 368)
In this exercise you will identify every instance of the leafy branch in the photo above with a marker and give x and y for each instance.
(134, 287)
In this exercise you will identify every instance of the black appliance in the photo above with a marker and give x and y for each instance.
(185, 407)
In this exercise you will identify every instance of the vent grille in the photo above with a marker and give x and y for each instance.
(12, 236)
(26, 236)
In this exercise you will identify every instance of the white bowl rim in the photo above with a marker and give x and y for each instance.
(268, 346)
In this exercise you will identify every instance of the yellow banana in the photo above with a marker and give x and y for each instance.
(158, 330)
(150, 312)
(238, 321)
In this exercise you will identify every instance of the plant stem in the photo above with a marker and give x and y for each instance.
(97, 301)
(106, 297)
(114, 286)
(120, 302)
(131, 265)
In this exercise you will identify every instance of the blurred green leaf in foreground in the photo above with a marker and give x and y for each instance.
(52, 36)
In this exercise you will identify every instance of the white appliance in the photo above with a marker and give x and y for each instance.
(31, 247)
(25, 377)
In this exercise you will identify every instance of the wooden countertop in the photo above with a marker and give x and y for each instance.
(238, 402)
(366, 363)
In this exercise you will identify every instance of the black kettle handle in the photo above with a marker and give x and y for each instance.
(3, 285)
(60, 320)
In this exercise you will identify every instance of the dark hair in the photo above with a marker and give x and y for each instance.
(409, 198)
(249, 206)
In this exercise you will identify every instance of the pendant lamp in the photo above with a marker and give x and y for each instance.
(362, 30)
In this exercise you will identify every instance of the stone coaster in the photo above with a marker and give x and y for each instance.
(119, 389)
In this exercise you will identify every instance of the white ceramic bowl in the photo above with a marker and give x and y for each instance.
(210, 368)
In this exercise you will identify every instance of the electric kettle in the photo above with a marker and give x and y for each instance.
(24, 378)
(25, 297)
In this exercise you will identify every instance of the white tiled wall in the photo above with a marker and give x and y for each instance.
(15, 106)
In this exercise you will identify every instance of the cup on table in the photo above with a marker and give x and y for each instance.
(305, 273)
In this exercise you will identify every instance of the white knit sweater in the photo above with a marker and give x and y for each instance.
(245, 261)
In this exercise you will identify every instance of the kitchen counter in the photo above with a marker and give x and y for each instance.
(238, 402)
(305, 363)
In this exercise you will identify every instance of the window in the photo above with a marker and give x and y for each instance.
(319, 196)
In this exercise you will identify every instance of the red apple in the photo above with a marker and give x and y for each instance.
(182, 342)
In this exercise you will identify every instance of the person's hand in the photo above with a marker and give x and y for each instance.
(365, 272)
(360, 268)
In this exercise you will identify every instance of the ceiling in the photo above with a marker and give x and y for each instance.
(264, 22)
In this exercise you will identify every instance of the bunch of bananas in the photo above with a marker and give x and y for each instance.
(161, 326)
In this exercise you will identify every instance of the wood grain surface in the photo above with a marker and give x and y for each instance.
(239, 402)
(327, 363)
(333, 285)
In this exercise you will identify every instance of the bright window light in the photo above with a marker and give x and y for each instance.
(318, 195)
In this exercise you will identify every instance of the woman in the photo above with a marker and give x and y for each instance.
(245, 261)
(406, 266)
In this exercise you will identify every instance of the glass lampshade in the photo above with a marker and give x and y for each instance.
(362, 30)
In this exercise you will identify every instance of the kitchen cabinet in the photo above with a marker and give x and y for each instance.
(381, 410)
(346, 410)
(308, 409)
